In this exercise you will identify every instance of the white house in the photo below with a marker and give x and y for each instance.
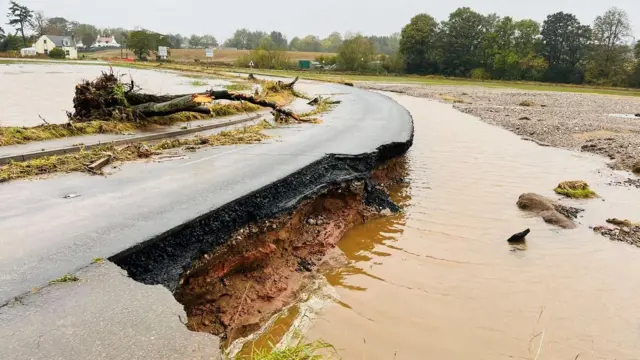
(47, 43)
(105, 41)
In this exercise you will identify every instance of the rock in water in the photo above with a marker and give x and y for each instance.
(545, 208)
(519, 237)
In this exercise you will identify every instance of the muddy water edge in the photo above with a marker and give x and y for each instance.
(440, 281)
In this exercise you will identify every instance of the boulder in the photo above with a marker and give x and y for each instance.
(545, 208)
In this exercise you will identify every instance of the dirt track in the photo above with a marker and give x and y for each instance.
(566, 120)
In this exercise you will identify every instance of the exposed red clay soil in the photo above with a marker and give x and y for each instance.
(238, 288)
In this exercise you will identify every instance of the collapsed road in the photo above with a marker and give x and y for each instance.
(153, 220)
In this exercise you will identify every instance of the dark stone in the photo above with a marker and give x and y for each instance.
(519, 237)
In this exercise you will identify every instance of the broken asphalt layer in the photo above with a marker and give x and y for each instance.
(154, 219)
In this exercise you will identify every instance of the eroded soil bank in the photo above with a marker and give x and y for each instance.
(235, 290)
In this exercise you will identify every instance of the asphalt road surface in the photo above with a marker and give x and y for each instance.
(44, 235)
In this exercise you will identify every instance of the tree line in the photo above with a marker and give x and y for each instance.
(29, 25)
(245, 39)
(561, 49)
(467, 44)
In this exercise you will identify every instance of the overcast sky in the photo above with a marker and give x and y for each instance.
(301, 17)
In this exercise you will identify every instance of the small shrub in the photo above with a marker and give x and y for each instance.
(575, 189)
(57, 53)
(527, 103)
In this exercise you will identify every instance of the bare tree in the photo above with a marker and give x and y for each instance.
(38, 23)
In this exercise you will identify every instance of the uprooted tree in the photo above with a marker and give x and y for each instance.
(108, 98)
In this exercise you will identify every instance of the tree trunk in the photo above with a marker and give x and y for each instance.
(184, 103)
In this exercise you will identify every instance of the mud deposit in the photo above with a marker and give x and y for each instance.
(233, 291)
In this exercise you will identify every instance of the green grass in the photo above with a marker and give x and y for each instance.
(198, 83)
(325, 105)
(65, 279)
(439, 80)
(317, 350)
(238, 87)
(21, 135)
(79, 162)
(575, 190)
(98, 260)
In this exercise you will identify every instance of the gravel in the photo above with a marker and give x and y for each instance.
(575, 121)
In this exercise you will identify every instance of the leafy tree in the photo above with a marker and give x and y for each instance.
(267, 44)
(418, 45)
(356, 54)
(254, 38)
(2, 34)
(57, 53)
(19, 17)
(610, 31)
(11, 43)
(564, 45)
(332, 42)
(141, 42)
(57, 26)
(195, 41)
(526, 40)
(310, 43)
(386, 44)
(118, 33)
(209, 40)
(38, 23)
(238, 40)
(294, 45)
(176, 40)
(245, 39)
(279, 40)
(86, 33)
(463, 36)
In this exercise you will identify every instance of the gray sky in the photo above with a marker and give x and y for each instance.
(299, 17)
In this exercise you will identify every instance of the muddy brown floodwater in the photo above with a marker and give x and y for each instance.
(440, 281)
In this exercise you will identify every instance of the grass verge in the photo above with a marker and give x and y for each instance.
(65, 279)
(317, 350)
(21, 135)
(14, 135)
(79, 162)
(439, 80)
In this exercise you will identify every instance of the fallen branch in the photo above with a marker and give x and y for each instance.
(226, 95)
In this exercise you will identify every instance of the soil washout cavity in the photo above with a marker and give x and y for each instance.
(270, 239)
(233, 291)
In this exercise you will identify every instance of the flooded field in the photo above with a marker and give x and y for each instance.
(47, 90)
(440, 280)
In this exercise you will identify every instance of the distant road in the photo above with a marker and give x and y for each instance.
(100, 62)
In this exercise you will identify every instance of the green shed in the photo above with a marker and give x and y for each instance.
(304, 64)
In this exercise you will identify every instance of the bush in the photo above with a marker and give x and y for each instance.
(480, 74)
(266, 59)
(57, 53)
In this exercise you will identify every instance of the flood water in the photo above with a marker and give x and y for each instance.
(440, 281)
(29, 90)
